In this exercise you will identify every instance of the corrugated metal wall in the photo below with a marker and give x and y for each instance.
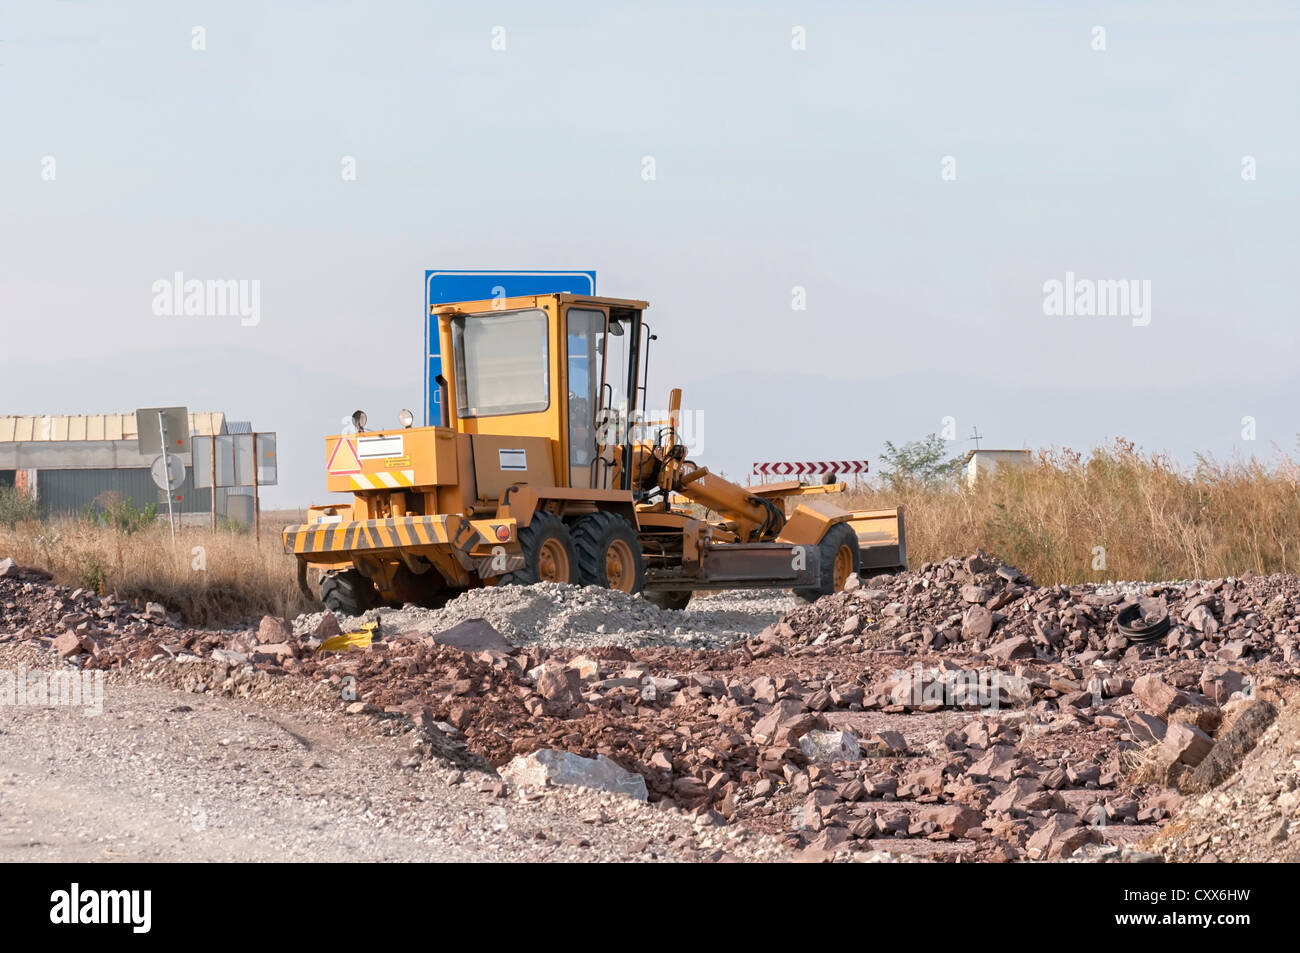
(67, 492)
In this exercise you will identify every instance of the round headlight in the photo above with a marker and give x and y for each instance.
(405, 418)
(359, 419)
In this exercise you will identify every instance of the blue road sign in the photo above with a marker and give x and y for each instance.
(443, 287)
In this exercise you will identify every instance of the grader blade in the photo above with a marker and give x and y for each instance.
(881, 538)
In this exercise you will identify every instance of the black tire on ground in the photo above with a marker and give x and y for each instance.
(668, 599)
(839, 555)
(548, 553)
(347, 592)
(609, 553)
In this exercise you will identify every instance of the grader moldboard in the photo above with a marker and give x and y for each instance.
(543, 468)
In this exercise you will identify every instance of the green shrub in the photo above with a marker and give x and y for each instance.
(94, 576)
(109, 509)
(17, 507)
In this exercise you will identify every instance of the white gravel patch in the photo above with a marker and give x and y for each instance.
(1128, 587)
(561, 616)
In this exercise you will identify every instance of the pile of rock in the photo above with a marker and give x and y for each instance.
(979, 605)
(80, 622)
(955, 711)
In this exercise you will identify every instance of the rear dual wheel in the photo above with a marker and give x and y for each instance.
(602, 549)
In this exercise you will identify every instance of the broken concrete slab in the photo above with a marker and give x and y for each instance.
(549, 766)
(827, 746)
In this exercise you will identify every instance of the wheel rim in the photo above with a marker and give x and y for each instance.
(843, 567)
(552, 562)
(620, 567)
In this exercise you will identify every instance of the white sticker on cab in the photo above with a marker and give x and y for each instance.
(378, 448)
(513, 459)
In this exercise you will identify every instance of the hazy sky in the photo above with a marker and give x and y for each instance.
(821, 168)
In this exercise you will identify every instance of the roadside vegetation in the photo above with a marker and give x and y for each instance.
(118, 548)
(1116, 513)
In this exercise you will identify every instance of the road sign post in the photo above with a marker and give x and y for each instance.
(167, 473)
(164, 430)
(257, 500)
(212, 493)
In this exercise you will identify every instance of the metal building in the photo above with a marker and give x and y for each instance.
(71, 462)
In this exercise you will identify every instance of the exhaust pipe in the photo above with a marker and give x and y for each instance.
(444, 413)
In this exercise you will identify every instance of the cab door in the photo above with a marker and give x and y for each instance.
(601, 369)
(584, 336)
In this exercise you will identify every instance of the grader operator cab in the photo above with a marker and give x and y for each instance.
(544, 468)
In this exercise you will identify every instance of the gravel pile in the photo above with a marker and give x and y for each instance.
(561, 616)
(980, 605)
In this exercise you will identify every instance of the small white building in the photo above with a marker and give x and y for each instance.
(986, 462)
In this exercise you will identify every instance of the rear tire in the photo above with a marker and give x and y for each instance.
(838, 555)
(609, 553)
(548, 553)
(668, 599)
(347, 592)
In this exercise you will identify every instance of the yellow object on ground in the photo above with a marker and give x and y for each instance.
(351, 640)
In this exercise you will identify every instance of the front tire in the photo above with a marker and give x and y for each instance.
(839, 557)
(548, 553)
(347, 592)
(609, 553)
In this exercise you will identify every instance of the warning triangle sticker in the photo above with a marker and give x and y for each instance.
(343, 462)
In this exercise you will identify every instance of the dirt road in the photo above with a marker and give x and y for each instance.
(164, 774)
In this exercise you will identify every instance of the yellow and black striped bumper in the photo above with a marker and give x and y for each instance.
(397, 533)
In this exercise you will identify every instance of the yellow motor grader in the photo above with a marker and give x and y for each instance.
(544, 468)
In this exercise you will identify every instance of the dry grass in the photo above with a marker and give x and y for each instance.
(209, 578)
(1150, 764)
(1153, 520)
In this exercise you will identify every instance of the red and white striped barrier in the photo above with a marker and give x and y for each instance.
(814, 468)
